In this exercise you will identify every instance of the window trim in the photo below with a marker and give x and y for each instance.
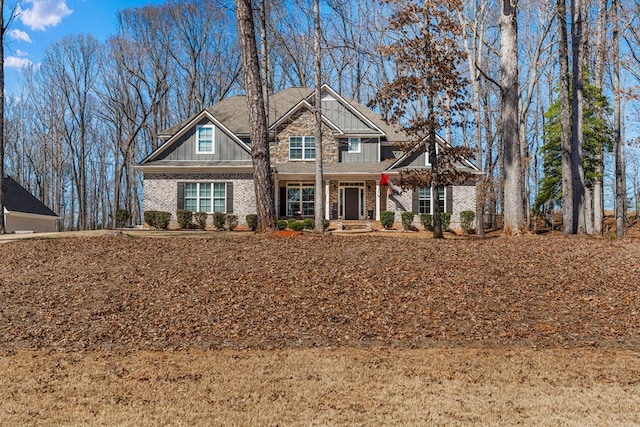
(212, 198)
(442, 198)
(213, 139)
(349, 149)
(300, 186)
(303, 148)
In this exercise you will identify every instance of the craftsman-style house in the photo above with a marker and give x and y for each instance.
(204, 163)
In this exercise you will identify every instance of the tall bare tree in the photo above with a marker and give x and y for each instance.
(318, 194)
(620, 181)
(257, 118)
(514, 222)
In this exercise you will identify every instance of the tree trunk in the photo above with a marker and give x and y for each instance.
(617, 126)
(513, 208)
(318, 194)
(565, 121)
(2, 29)
(257, 118)
(577, 118)
(598, 193)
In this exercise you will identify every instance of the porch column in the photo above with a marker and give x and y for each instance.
(327, 212)
(276, 195)
(377, 200)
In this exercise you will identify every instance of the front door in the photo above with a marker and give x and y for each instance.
(351, 205)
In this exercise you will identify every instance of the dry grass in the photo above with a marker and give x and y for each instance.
(322, 387)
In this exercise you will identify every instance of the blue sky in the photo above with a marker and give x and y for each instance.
(42, 22)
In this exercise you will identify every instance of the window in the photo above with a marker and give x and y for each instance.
(302, 148)
(205, 196)
(425, 201)
(353, 145)
(204, 139)
(300, 198)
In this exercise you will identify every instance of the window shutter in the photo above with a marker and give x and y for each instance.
(415, 204)
(448, 196)
(180, 196)
(230, 197)
(283, 202)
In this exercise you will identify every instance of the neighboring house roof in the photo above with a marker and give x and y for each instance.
(17, 199)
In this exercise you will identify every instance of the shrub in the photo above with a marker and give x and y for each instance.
(387, 218)
(122, 218)
(232, 221)
(296, 225)
(157, 219)
(184, 218)
(308, 224)
(466, 220)
(252, 221)
(281, 224)
(219, 219)
(425, 220)
(201, 219)
(291, 221)
(445, 220)
(326, 223)
(407, 220)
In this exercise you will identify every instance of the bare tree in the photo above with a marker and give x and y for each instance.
(318, 194)
(257, 118)
(513, 199)
(620, 181)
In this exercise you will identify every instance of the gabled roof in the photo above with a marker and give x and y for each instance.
(442, 143)
(17, 199)
(188, 124)
(305, 104)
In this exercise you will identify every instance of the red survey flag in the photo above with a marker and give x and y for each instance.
(384, 180)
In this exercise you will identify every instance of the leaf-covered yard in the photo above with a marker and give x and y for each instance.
(113, 293)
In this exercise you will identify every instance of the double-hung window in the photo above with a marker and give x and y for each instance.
(425, 201)
(204, 139)
(205, 196)
(302, 148)
(353, 145)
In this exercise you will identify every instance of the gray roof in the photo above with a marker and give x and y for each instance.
(17, 199)
(233, 113)
(332, 168)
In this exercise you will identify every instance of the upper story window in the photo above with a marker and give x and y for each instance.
(204, 139)
(302, 148)
(353, 145)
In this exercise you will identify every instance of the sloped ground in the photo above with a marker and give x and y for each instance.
(125, 293)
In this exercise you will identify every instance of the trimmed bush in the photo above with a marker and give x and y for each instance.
(308, 224)
(281, 224)
(326, 224)
(201, 219)
(122, 218)
(466, 220)
(184, 218)
(426, 221)
(445, 220)
(219, 219)
(232, 222)
(252, 221)
(157, 219)
(296, 225)
(291, 221)
(387, 218)
(407, 220)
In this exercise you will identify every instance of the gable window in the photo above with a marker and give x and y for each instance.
(205, 196)
(204, 139)
(302, 148)
(354, 145)
(300, 198)
(425, 201)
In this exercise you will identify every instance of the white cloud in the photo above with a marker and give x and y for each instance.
(15, 62)
(19, 35)
(21, 53)
(44, 13)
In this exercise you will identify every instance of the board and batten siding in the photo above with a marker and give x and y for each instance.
(225, 148)
(369, 151)
(342, 117)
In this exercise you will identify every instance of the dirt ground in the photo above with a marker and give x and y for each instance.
(337, 330)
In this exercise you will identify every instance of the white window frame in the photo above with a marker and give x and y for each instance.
(212, 198)
(213, 139)
(305, 142)
(426, 194)
(306, 208)
(357, 141)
